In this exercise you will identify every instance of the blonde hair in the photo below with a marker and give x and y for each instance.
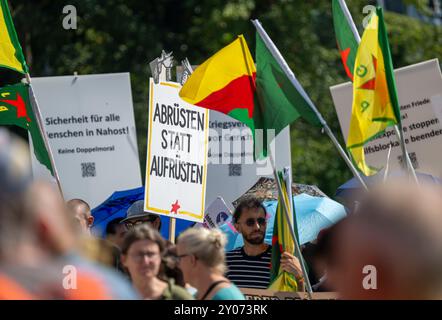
(206, 245)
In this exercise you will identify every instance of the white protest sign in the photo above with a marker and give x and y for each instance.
(216, 214)
(177, 148)
(90, 124)
(418, 87)
(436, 103)
(232, 169)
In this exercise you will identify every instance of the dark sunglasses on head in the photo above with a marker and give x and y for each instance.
(251, 222)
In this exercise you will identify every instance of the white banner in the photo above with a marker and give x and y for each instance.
(232, 169)
(91, 128)
(419, 89)
(216, 214)
(177, 148)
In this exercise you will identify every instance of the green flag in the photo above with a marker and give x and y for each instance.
(16, 109)
(278, 103)
(345, 36)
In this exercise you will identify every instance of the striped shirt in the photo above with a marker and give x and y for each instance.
(249, 271)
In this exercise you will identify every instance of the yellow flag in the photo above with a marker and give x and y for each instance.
(372, 109)
(11, 55)
(282, 241)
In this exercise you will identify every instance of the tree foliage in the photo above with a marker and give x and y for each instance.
(124, 35)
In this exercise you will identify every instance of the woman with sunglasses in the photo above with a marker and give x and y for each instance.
(202, 260)
(142, 253)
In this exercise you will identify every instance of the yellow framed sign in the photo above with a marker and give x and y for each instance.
(177, 148)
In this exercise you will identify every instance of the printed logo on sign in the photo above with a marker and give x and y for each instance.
(221, 217)
(88, 169)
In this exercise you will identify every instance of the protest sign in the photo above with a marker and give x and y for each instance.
(232, 169)
(177, 148)
(436, 104)
(265, 294)
(216, 214)
(90, 125)
(419, 87)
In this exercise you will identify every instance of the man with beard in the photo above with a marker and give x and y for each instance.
(249, 266)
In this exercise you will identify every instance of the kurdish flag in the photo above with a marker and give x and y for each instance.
(16, 109)
(346, 35)
(11, 55)
(225, 83)
(261, 98)
(282, 241)
(375, 101)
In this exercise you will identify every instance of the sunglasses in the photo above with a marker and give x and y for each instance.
(252, 222)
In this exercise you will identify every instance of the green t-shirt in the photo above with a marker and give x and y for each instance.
(175, 292)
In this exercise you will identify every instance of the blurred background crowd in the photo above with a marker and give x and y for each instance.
(388, 247)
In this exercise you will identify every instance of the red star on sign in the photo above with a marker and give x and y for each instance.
(20, 105)
(175, 207)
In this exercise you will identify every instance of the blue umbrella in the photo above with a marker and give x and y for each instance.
(116, 207)
(353, 185)
(312, 213)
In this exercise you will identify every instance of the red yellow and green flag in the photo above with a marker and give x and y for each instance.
(261, 97)
(225, 83)
(375, 101)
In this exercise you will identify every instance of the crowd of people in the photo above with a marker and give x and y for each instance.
(47, 250)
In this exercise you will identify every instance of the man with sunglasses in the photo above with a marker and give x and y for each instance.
(136, 216)
(249, 266)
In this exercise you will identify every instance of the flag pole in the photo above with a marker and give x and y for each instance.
(285, 206)
(39, 118)
(288, 72)
(350, 21)
(292, 232)
(287, 173)
(407, 165)
(387, 167)
(399, 133)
